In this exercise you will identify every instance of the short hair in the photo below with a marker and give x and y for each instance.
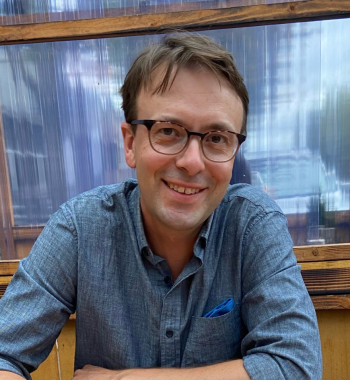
(176, 51)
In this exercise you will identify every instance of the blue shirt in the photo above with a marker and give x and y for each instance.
(93, 258)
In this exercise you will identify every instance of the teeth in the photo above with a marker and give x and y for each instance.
(181, 189)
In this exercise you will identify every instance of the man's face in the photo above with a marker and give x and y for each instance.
(200, 103)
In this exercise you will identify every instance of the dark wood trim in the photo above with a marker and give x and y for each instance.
(318, 265)
(26, 233)
(326, 277)
(3, 243)
(191, 20)
(8, 267)
(328, 252)
(331, 302)
(7, 270)
(3, 208)
(7, 245)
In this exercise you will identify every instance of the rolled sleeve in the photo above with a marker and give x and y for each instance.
(7, 364)
(283, 339)
(39, 299)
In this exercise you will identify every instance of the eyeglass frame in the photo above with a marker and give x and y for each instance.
(149, 124)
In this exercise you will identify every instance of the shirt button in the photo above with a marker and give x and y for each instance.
(169, 334)
(167, 279)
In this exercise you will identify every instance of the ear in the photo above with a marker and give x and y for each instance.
(129, 149)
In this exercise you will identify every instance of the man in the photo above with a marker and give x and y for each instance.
(175, 276)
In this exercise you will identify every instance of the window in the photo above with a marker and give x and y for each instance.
(61, 113)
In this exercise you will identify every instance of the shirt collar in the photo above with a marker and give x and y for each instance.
(136, 217)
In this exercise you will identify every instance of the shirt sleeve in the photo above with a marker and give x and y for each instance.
(283, 339)
(39, 299)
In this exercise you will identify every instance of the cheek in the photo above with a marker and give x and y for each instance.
(222, 174)
(150, 161)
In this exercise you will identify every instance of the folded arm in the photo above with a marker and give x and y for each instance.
(5, 375)
(231, 370)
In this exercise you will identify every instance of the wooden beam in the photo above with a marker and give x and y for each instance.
(326, 252)
(318, 265)
(8, 267)
(7, 247)
(3, 189)
(335, 302)
(5, 280)
(191, 20)
(26, 233)
(327, 277)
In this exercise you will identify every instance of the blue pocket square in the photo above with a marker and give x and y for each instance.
(221, 309)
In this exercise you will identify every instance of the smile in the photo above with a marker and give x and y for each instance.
(183, 190)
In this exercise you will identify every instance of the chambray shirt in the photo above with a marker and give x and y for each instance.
(93, 258)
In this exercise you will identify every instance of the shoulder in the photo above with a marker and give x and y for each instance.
(100, 199)
(248, 196)
(247, 210)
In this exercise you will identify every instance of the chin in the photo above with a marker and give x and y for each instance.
(183, 221)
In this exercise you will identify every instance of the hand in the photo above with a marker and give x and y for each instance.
(90, 372)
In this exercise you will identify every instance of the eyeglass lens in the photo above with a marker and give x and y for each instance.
(171, 138)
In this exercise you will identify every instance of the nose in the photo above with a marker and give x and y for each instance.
(191, 159)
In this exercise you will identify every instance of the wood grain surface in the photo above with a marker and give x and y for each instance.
(335, 302)
(26, 233)
(8, 267)
(322, 252)
(334, 326)
(190, 20)
(6, 209)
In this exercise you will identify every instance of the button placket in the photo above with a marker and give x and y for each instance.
(167, 279)
(170, 328)
(169, 333)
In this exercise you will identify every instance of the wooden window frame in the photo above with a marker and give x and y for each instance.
(325, 268)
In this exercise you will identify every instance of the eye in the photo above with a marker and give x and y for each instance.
(167, 131)
(216, 138)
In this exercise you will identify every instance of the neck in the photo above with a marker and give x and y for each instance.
(176, 247)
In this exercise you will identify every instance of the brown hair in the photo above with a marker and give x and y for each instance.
(177, 51)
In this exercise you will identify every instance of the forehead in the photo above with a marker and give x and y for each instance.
(194, 96)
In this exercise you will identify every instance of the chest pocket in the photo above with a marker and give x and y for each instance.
(213, 340)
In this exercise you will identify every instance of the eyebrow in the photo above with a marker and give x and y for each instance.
(208, 128)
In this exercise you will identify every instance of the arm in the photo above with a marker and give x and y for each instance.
(231, 370)
(283, 339)
(38, 300)
(5, 375)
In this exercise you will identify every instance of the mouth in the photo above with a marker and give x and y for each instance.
(182, 189)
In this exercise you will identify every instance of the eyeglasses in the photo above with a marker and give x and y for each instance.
(170, 138)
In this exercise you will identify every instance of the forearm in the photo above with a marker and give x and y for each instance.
(231, 370)
(6, 375)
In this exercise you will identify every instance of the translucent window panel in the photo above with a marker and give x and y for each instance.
(32, 11)
(299, 134)
(61, 116)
